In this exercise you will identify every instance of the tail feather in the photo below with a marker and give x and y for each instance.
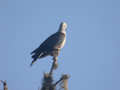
(35, 51)
(33, 62)
(35, 57)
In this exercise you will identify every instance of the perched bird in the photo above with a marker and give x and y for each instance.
(52, 45)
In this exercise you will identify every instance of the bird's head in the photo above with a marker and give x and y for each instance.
(63, 27)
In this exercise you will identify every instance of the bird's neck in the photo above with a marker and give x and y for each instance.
(62, 31)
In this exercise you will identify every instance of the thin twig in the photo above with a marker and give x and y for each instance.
(54, 66)
(4, 85)
(64, 77)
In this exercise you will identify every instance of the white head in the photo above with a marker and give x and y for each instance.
(63, 27)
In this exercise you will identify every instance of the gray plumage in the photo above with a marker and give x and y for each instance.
(53, 43)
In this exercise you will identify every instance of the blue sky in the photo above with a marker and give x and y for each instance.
(91, 55)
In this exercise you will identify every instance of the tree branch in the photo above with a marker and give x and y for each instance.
(4, 84)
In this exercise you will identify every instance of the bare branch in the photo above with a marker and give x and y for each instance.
(63, 82)
(54, 65)
(4, 84)
(47, 82)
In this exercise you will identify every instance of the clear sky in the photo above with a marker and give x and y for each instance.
(91, 55)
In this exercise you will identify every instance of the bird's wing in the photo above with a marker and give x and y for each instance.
(47, 46)
(50, 42)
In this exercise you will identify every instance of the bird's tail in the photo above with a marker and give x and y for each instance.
(35, 51)
(35, 57)
(33, 62)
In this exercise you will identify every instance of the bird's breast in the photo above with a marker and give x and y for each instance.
(61, 44)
